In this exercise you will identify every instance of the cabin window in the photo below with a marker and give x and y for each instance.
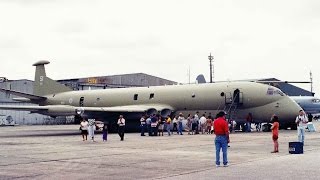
(222, 94)
(193, 95)
(151, 96)
(135, 97)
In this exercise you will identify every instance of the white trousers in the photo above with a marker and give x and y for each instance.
(91, 131)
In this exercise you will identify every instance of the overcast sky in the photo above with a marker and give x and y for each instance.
(249, 39)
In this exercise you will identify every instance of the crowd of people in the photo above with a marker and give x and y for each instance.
(155, 125)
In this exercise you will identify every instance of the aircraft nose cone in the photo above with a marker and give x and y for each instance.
(287, 109)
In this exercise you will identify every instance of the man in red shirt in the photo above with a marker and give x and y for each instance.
(221, 131)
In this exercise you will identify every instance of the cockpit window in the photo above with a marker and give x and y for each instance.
(279, 92)
(272, 91)
(315, 100)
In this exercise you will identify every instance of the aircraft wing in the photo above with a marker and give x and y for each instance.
(143, 108)
(25, 95)
(56, 110)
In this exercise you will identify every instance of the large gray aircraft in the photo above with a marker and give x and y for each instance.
(236, 98)
(309, 104)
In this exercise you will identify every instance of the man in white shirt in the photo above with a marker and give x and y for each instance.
(91, 128)
(301, 121)
(203, 121)
(121, 123)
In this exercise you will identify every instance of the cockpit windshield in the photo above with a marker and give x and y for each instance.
(317, 101)
(274, 91)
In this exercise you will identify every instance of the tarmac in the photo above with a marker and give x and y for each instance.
(58, 152)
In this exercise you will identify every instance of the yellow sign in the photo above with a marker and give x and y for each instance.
(92, 80)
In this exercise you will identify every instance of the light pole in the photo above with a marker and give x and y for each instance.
(311, 83)
(211, 68)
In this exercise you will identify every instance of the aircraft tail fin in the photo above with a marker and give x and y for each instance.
(43, 85)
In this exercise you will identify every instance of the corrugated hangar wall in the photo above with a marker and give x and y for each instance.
(23, 117)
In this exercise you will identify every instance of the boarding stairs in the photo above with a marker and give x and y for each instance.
(232, 103)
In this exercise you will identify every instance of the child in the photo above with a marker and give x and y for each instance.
(275, 133)
(105, 132)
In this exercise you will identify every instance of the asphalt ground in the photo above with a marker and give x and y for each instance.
(58, 152)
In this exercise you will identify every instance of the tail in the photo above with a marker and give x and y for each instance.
(44, 85)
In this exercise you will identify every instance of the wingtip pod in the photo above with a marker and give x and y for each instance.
(42, 62)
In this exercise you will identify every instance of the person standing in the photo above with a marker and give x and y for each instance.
(154, 125)
(84, 129)
(221, 131)
(91, 128)
(196, 120)
(208, 125)
(168, 125)
(143, 125)
(161, 122)
(189, 124)
(105, 132)
(249, 119)
(202, 122)
(175, 125)
(301, 121)
(275, 134)
(180, 119)
(148, 122)
(121, 123)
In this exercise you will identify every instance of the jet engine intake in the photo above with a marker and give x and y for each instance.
(165, 112)
(151, 111)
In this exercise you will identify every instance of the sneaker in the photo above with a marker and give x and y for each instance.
(225, 165)
(217, 165)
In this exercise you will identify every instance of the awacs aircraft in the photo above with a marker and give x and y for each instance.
(237, 98)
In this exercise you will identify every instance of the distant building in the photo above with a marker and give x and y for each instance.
(20, 117)
(116, 81)
(101, 82)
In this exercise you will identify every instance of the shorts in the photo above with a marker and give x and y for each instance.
(274, 137)
(84, 132)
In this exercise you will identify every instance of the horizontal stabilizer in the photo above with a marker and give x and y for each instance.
(25, 95)
(24, 108)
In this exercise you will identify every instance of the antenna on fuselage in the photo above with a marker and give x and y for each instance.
(311, 82)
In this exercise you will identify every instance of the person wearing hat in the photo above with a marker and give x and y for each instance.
(221, 131)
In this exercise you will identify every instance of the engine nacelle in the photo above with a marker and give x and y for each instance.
(165, 112)
(151, 111)
(58, 111)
